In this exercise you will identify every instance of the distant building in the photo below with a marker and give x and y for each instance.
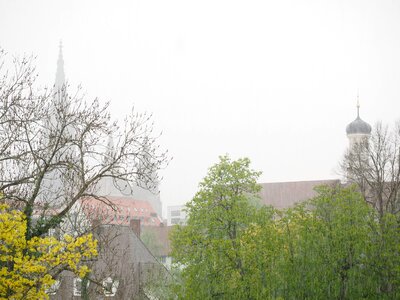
(358, 130)
(119, 211)
(124, 269)
(107, 187)
(176, 215)
(118, 189)
(287, 194)
(157, 239)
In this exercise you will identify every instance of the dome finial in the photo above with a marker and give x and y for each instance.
(358, 126)
(358, 105)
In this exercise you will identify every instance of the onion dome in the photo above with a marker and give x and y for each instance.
(358, 126)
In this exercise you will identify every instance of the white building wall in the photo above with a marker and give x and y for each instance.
(355, 139)
(176, 215)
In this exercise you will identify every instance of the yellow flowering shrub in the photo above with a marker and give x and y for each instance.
(27, 267)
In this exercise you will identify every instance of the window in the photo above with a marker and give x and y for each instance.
(175, 213)
(175, 221)
(110, 287)
(52, 290)
(78, 286)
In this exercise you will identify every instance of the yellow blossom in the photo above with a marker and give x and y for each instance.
(35, 260)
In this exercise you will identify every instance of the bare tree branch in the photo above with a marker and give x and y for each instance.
(374, 165)
(53, 146)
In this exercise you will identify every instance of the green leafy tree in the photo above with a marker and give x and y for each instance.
(384, 257)
(334, 246)
(328, 238)
(260, 250)
(209, 248)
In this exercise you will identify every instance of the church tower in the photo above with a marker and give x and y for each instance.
(358, 130)
(55, 189)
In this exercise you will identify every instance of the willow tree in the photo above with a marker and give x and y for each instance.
(331, 248)
(327, 239)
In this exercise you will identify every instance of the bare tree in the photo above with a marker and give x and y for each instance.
(53, 147)
(374, 165)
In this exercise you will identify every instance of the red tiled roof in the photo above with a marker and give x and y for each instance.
(120, 210)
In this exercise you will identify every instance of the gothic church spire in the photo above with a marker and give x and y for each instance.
(60, 75)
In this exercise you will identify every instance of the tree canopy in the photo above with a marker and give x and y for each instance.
(334, 246)
(218, 216)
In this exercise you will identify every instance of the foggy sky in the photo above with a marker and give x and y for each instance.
(275, 81)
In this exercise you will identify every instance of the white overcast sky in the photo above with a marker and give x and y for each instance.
(275, 81)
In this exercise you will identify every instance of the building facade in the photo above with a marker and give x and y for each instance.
(124, 269)
(176, 215)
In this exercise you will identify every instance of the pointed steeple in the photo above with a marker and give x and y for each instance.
(60, 75)
(358, 106)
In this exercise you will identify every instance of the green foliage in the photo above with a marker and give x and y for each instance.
(210, 245)
(327, 245)
(334, 246)
(151, 242)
